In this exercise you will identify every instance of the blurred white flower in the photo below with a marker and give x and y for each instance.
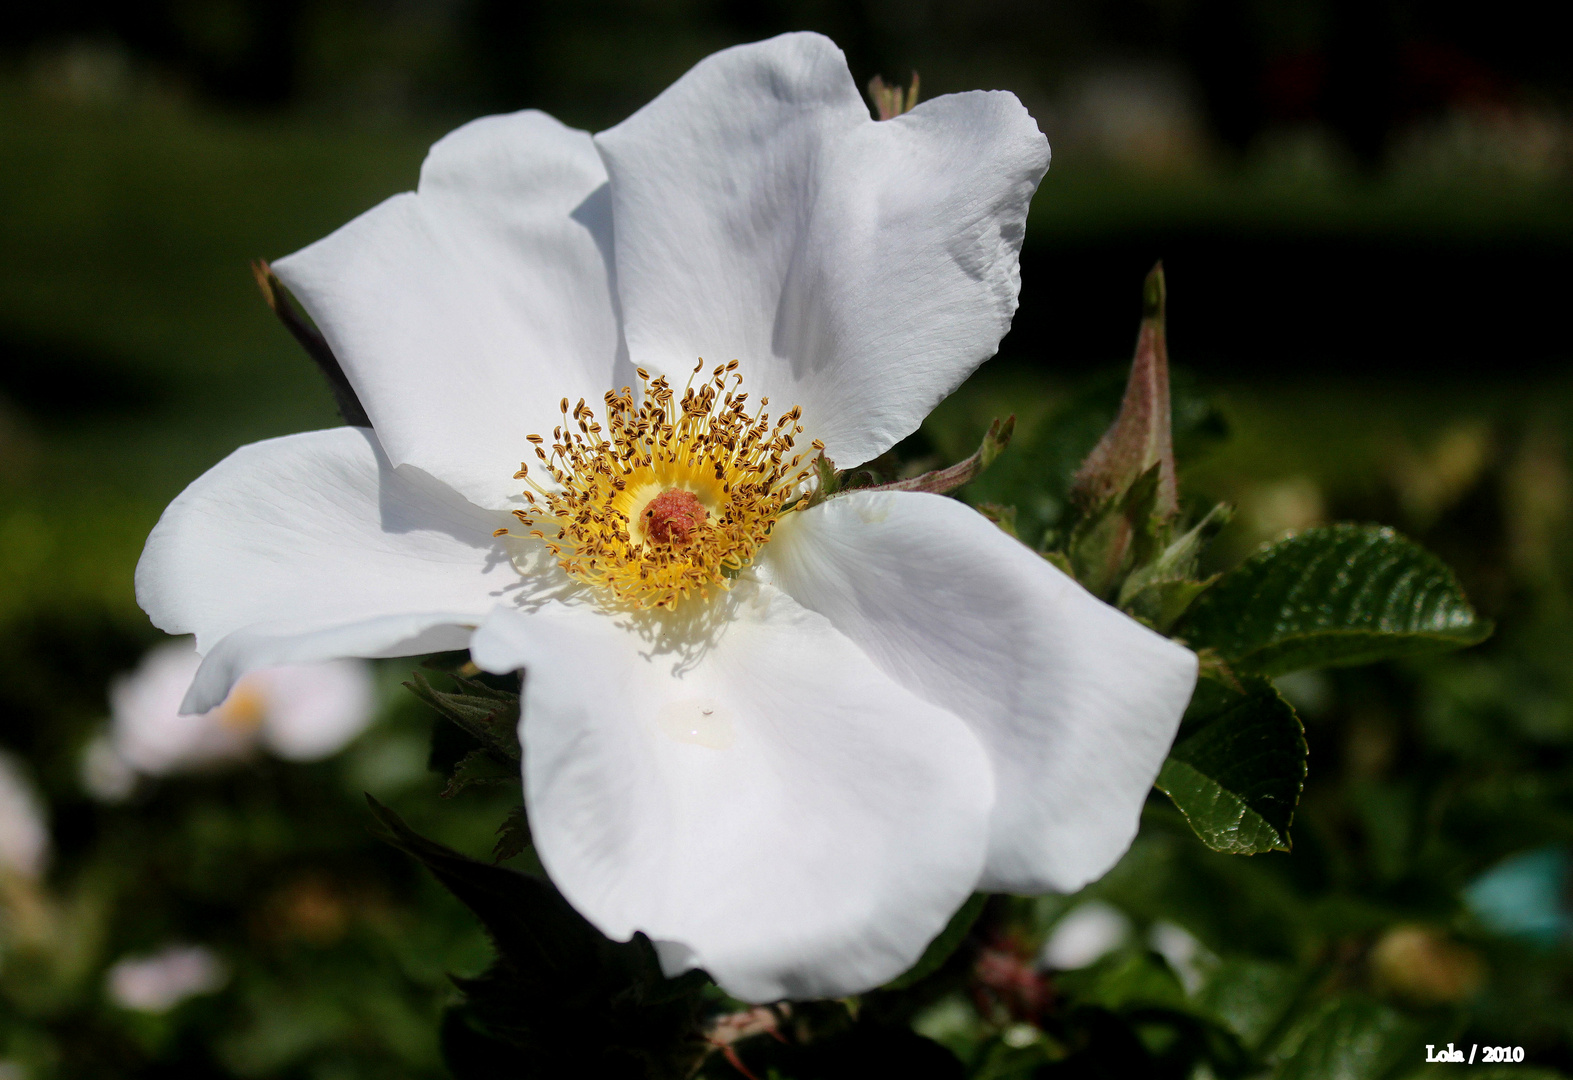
(105, 774)
(1085, 935)
(301, 712)
(159, 981)
(1186, 956)
(24, 832)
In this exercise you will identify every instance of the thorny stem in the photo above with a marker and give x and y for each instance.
(725, 1031)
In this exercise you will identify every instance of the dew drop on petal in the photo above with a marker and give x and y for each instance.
(698, 720)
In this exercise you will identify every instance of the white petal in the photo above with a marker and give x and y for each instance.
(292, 642)
(758, 799)
(463, 312)
(314, 710)
(312, 547)
(858, 269)
(1076, 702)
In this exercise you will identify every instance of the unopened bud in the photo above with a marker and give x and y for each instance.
(1141, 435)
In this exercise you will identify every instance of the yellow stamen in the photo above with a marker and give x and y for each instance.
(734, 471)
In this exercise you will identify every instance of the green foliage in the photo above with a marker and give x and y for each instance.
(1252, 997)
(513, 835)
(1237, 768)
(479, 767)
(1161, 591)
(1353, 1038)
(1111, 542)
(559, 995)
(1337, 595)
(486, 713)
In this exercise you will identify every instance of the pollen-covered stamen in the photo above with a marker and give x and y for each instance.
(673, 496)
(672, 516)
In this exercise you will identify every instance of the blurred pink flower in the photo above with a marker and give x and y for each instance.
(159, 981)
(300, 712)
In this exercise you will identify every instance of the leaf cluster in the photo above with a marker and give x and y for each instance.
(559, 995)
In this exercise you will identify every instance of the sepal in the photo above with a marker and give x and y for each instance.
(488, 715)
(1160, 592)
(944, 481)
(1115, 539)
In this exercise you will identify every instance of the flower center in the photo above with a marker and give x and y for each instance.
(672, 516)
(673, 496)
(244, 710)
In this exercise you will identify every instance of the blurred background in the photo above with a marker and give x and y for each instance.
(1364, 210)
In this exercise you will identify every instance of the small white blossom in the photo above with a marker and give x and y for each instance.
(159, 981)
(1186, 956)
(300, 712)
(24, 830)
(1084, 935)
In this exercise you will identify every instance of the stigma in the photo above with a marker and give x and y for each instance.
(672, 516)
(674, 496)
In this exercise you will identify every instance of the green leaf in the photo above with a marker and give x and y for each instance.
(1251, 996)
(1333, 596)
(1238, 767)
(1126, 981)
(561, 999)
(1140, 987)
(513, 835)
(1350, 1039)
(941, 947)
(489, 715)
(480, 767)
